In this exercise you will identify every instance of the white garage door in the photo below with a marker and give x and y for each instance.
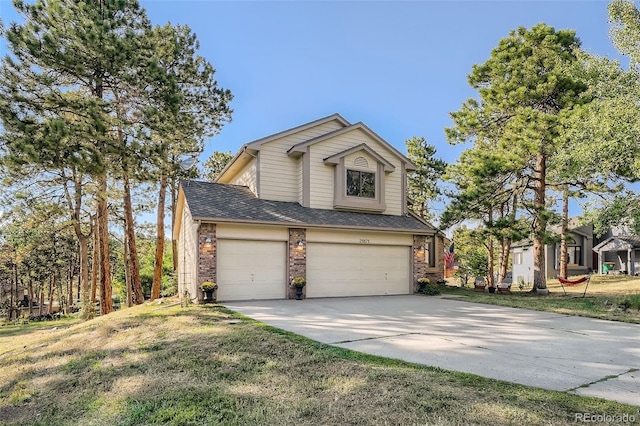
(251, 269)
(357, 270)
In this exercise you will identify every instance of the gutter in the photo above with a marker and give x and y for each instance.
(311, 225)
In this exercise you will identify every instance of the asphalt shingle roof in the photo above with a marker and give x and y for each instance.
(216, 201)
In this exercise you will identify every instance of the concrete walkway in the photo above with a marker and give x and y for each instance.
(578, 355)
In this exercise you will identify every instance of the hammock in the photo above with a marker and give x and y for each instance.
(569, 283)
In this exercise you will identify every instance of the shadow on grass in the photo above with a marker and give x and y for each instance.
(205, 370)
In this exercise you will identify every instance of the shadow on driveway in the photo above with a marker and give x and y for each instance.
(581, 355)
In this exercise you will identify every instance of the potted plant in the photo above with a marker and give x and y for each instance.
(422, 282)
(208, 288)
(298, 283)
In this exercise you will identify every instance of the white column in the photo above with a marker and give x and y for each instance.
(600, 263)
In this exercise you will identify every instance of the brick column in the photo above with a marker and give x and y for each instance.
(297, 259)
(440, 248)
(207, 255)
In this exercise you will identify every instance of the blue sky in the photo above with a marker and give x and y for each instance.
(400, 67)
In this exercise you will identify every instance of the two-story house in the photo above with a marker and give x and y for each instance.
(325, 200)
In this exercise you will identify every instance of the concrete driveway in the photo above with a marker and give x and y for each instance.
(579, 355)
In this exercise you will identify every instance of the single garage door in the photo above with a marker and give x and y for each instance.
(251, 269)
(357, 270)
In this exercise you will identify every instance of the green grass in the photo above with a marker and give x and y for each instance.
(615, 298)
(192, 366)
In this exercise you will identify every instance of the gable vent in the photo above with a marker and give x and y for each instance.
(361, 162)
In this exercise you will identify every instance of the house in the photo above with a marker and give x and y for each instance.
(325, 200)
(619, 252)
(580, 258)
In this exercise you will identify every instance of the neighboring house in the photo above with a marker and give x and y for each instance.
(580, 258)
(619, 252)
(325, 200)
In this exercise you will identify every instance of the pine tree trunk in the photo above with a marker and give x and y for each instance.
(70, 288)
(86, 305)
(174, 243)
(106, 304)
(506, 244)
(490, 271)
(95, 266)
(40, 299)
(14, 283)
(134, 271)
(52, 287)
(565, 230)
(490, 253)
(127, 271)
(30, 290)
(540, 224)
(157, 267)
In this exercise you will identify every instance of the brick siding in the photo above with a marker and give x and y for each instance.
(207, 255)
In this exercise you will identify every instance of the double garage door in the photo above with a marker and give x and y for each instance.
(258, 270)
(335, 270)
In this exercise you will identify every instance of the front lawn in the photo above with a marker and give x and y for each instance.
(610, 297)
(205, 365)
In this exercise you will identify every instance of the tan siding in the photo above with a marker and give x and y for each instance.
(247, 177)
(299, 181)
(187, 247)
(358, 237)
(322, 176)
(248, 232)
(279, 174)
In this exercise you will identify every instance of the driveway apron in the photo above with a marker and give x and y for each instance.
(558, 352)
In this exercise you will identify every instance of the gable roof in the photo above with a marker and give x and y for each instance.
(231, 203)
(575, 228)
(335, 159)
(248, 150)
(302, 146)
(333, 117)
(618, 243)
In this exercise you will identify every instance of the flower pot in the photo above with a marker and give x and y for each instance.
(298, 293)
(422, 287)
(209, 298)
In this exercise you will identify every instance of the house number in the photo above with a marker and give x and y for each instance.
(364, 241)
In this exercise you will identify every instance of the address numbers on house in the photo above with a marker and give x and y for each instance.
(364, 241)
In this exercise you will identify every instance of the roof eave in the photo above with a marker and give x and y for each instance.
(335, 158)
(313, 225)
(333, 117)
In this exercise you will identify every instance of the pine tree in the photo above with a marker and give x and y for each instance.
(524, 92)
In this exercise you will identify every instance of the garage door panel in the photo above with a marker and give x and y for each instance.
(251, 269)
(357, 270)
